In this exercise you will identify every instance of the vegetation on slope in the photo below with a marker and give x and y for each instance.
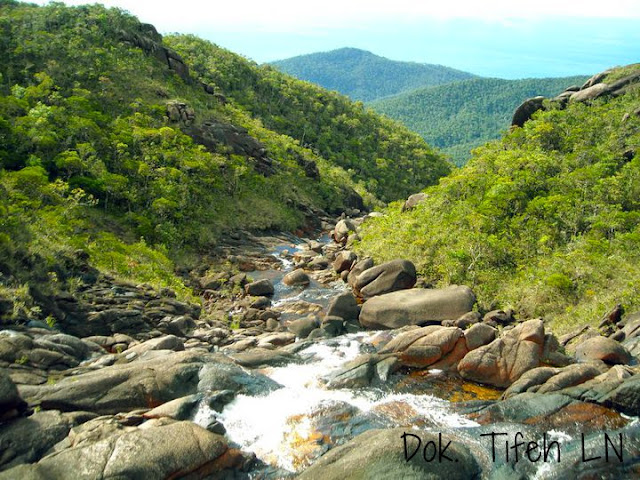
(94, 160)
(386, 159)
(364, 76)
(546, 220)
(461, 116)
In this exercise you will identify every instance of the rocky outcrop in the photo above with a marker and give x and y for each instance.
(386, 278)
(413, 201)
(380, 454)
(342, 230)
(507, 358)
(526, 110)
(604, 349)
(145, 383)
(160, 450)
(363, 371)
(11, 405)
(549, 379)
(213, 133)
(416, 307)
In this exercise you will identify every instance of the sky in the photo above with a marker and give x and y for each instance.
(496, 38)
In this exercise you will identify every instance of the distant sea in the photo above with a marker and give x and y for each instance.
(511, 49)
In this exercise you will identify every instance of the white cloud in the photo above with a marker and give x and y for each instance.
(302, 15)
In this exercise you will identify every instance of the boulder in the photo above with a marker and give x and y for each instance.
(604, 349)
(413, 201)
(260, 288)
(526, 110)
(167, 342)
(344, 306)
(380, 454)
(362, 371)
(478, 335)
(296, 277)
(357, 269)
(26, 440)
(342, 230)
(499, 317)
(416, 307)
(549, 379)
(166, 451)
(157, 377)
(386, 278)
(590, 93)
(436, 346)
(303, 326)
(504, 360)
(344, 260)
(262, 357)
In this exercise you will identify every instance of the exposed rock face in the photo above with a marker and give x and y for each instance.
(144, 383)
(342, 230)
(357, 269)
(440, 347)
(213, 133)
(603, 348)
(549, 379)
(180, 112)
(505, 359)
(386, 278)
(362, 371)
(344, 260)
(526, 110)
(164, 451)
(380, 454)
(416, 307)
(344, 306)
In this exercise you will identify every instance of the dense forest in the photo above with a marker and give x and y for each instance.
(113, 149)
(545, 220)
(461, 116)
(364, 76)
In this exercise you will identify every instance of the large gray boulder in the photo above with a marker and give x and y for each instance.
(504, 360)
(380, 454)
(386, 278)
(344, 306)
(416, 307)
(603, 348)
(175, 450)
(156, 378)
(526, 110)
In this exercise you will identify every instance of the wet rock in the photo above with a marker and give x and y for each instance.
(344, 306)
(344, 260)
(163, 451)
(416, 307)
(440, 347)
(219, 399)
(604, 349)
(380, 454)
(505, 359)
(386, 278)
(296, 277)
(319, 263)
(303, 326)
(260, 288)
(261, 358)
(332, 325)
(362, 371)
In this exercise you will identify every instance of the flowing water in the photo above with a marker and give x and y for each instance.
(289, 428)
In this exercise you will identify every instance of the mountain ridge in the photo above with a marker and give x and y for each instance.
(365, 76)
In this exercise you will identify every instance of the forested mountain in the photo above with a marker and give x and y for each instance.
(461, 116)
(545, 220)
(117, 148)
(364, 76)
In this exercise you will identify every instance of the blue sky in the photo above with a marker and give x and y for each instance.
(500, 38)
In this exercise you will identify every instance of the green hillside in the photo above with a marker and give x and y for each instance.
(461, 116)
(113, 150)
(364, 76)
(546, 220)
